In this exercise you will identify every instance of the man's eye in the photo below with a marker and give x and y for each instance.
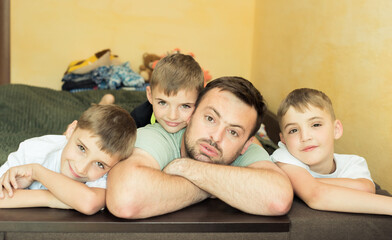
(81, 148)
(293, 131)
(209, 118)
(100, 165)
(233, 133)
(317, 125)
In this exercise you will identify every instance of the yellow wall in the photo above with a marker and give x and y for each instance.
(343, 48)
(46, 35)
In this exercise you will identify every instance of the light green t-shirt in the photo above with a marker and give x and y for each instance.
(165, 147)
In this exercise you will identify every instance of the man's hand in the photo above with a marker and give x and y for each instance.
(177, 167)
(18, 177)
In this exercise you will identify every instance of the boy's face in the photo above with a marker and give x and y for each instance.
(82, 159)
(174, 111)
(309, 136)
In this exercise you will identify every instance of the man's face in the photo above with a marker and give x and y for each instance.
(219, 129)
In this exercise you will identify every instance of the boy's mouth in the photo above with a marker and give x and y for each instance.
(172, 124)
(73, 172)
(309, 148)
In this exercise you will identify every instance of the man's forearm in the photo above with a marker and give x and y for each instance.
(137, 191)
(262, 191)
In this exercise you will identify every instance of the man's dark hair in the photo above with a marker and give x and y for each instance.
(242, 89)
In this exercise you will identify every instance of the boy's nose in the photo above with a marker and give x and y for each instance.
(81, 167)
(305, 135)
(173, 114)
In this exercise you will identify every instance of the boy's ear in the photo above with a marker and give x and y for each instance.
(70, 129)
(148, 93)
(247, 144)
(338, 129)
(282, 138)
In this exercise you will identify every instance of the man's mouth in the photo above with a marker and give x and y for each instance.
(208, 150)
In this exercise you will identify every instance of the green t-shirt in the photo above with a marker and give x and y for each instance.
(165, 147)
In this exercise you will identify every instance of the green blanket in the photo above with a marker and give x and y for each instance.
(27, 111)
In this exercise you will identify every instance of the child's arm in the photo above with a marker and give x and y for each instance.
(75, 194)
(322, 196)
(361, 184)
(31, 198)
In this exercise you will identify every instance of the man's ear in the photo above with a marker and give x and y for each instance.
(148, 93)
(282, 138)
(70, 129)
(338, 129)
(247, 144)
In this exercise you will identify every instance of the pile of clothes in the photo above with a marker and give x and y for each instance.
(100, 71)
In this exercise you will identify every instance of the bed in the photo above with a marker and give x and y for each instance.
(27, 111)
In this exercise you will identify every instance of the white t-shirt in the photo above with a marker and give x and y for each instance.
(347, 166)
(46, 151)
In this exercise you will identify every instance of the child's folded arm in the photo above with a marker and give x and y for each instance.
(321, 196)
(73, 193)
(31, 198)
(361, 184)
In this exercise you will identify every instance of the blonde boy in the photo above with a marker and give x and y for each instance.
(69, 171)
(323, 179)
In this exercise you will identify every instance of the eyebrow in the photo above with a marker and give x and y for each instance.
(231, 125)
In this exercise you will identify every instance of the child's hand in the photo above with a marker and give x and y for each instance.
(16, 177)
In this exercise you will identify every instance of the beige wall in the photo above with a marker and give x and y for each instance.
(343, 48)
(46, 35)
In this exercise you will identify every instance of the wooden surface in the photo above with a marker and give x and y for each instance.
(212, 215)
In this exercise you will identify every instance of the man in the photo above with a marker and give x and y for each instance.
(213, 157)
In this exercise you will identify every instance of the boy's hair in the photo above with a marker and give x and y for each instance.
(301, 98)
(113, 125)
(177, 72)
(242, 89)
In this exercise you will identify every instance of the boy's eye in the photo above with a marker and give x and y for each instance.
(81, 148)
(186, 106)
(163, 103)
(293, 131)
(100, 165)
(317, 125)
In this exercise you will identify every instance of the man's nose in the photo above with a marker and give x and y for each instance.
(217, 134)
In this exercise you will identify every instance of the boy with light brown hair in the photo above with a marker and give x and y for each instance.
(70, 170)
(175, 83)
(323, 179)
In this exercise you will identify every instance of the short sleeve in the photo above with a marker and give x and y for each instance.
(253, 154)
(353, 167)
(283, 155)
(162, 146)
(100, 183)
